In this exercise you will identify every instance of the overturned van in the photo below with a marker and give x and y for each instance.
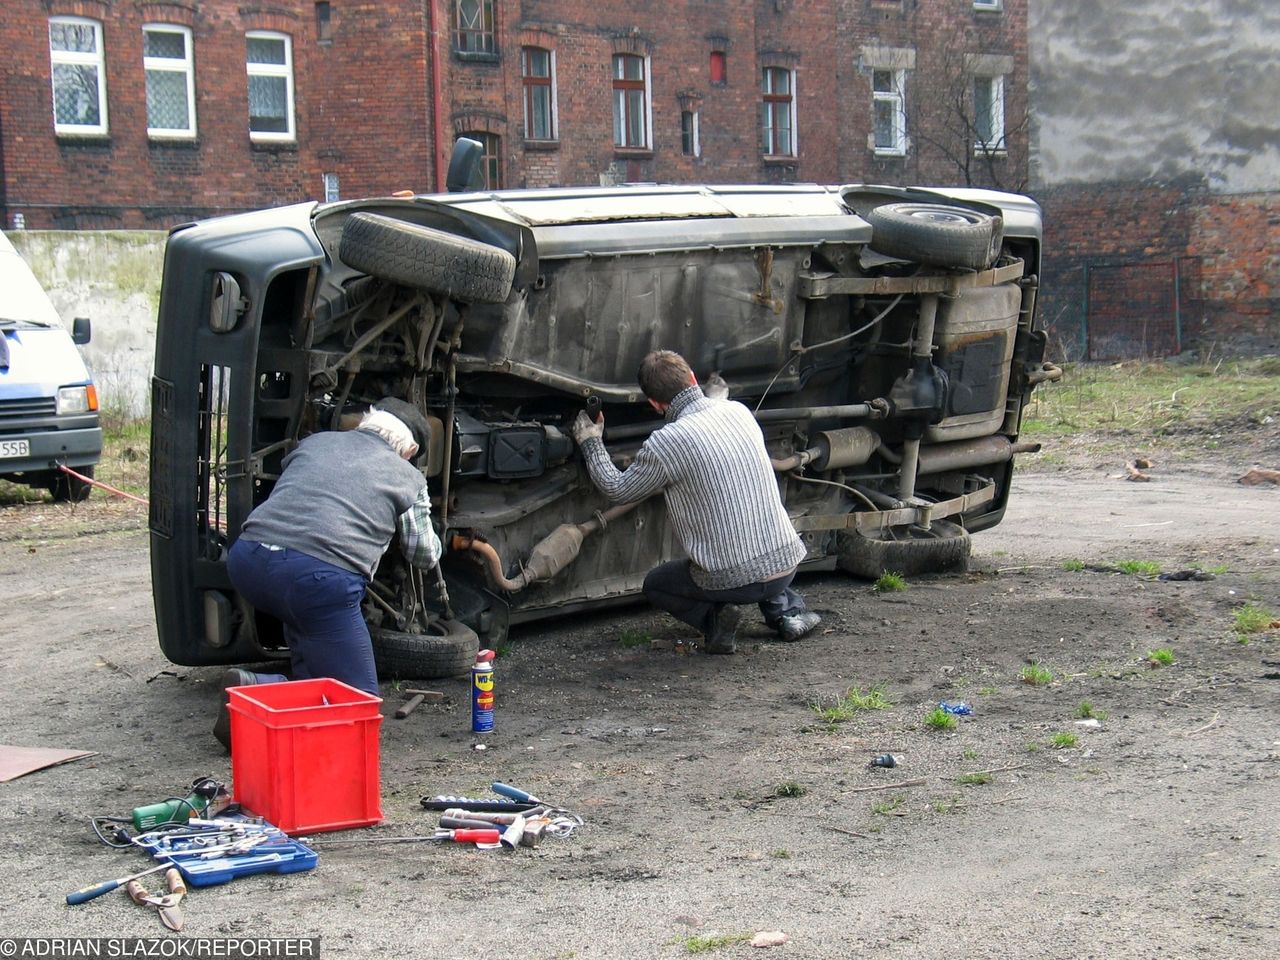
(48, 403)
(886, 339)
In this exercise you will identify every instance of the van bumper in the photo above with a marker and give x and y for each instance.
(48, 448)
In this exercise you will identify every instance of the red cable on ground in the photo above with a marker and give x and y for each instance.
(98, 483)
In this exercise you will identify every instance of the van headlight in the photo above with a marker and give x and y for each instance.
(72, 400)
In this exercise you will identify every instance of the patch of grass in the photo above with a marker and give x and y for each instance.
(1087, 710)
(889, 582)
(854, 701)
(1252, 618)
(941, 805)
(1037, 675)
(1073, 566)
(1162, 657)
(1033, 746)
(713, 941)
(970, 754)
(1217, 569)
(635, 638)
(780, 854)
(1064, 741)
(974, 778)
(986, 691)
(885, 807)
(939, 719)
(1146, 568)
(789, 788)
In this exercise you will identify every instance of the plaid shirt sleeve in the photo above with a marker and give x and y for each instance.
(417, 536)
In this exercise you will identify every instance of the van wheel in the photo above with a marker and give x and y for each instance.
(448, 651)
(936, 234)
(905, 550)
(68, 489)
(428, 259)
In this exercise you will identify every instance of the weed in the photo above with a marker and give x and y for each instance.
(1037, 675)
(1032, 746)
(1160, 658)
(974, 778)
(1073, 566)
(1217, 570)
(970, 754)
(780, 854)
(789, 788)
(944, 806)
(986, 691)
(1146, 568)
(939, 719)
(889, 582)
(1252, 618)
(714, 941)
(887, 806)
(635, 638)
(1087, 711)
(854, 700)
(1064, 741)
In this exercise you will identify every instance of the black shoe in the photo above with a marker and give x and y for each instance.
(235, 677)
(794, 627)
(723, 638)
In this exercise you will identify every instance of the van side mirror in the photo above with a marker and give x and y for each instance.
(225, 303)
(464, 166)
(81, 331)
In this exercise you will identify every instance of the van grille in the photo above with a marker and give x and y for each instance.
(14, 412)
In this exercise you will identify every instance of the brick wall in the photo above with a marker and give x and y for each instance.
(364, 106)
(1237, 242)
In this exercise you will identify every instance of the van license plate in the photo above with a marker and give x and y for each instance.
(15, 448)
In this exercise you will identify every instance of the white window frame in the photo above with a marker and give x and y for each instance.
(186, 67)
(647, 103)
(896, 96)
(988, 4)
(553, 114)
(695, 132)
(97, 60)
(331, 187)
(794, 146)
(274, 70)
(998, 144)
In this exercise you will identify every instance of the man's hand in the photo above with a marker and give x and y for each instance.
(715, 388)
(584, 428)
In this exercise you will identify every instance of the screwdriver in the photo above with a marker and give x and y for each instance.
(90, 893)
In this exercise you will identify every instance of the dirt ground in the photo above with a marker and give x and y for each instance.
(717, 803)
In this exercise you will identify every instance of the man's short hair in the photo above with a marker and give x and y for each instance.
(663, 374)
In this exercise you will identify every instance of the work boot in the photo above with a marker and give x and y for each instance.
(794, 627)
(235, 677)
(723, 636)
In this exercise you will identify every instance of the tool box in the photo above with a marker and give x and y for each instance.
(271, 852)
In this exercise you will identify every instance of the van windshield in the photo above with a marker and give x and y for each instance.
(22, 299)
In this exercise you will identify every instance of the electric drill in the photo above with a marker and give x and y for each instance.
(178, 809)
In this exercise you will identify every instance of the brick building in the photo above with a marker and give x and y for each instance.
(142, 114)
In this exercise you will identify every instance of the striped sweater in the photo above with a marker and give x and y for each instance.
(711, 464)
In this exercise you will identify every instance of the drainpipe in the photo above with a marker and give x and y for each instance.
(437, 122)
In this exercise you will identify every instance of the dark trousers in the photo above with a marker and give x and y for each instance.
(670, 587)
(319, 606)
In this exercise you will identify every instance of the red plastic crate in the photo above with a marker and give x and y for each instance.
(304, 754)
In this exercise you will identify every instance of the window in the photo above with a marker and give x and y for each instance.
(79, 81)
(719, 67)
(537, 68)
(689, 144)
(630, 101)
(473, 26)
(171, 95)
(270, 64)
(988, 114)
(491, 166)
(779, 113)
(890, 116)
(988, 4)
(324, 22)
(331, 193)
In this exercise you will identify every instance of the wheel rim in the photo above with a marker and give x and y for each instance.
(939, 214)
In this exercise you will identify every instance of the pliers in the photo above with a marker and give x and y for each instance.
(170, 912)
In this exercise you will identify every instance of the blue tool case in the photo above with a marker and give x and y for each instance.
(270, 851)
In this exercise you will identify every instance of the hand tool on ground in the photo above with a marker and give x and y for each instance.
(459, 820)
(475, 806)
(511, 837)
(515, 793)
(483, 839)
(89, 893)
(412, 704)
(204, 791)
(168, 904)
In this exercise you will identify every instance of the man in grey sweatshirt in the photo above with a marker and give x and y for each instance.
(711, 465)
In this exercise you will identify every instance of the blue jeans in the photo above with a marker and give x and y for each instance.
(319, 606)
(670, 587)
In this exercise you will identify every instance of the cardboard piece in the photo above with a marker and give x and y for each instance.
(19, 761)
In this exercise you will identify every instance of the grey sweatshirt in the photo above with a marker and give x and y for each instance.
(711, 464)
(337, 499)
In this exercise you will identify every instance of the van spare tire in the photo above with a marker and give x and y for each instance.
(449, 650)
(907, 550)
(426, 258)
(936, 234)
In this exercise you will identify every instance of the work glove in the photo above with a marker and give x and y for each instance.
(715, 388)
(584, 428)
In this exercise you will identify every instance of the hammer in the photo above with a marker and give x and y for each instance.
(435, 696)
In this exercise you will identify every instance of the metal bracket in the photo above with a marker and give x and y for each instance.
(873, 520)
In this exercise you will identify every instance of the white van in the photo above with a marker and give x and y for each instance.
(48, 404)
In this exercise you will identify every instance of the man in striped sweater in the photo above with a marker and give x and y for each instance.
(711, 465)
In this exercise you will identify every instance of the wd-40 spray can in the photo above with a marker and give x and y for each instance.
(482, 692)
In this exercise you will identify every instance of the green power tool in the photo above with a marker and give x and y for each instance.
(204, 791)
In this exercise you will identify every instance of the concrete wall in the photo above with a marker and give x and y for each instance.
(113, 278)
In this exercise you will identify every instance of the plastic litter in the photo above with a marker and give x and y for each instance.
(960, 709)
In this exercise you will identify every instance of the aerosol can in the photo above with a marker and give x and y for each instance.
(482, 692)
